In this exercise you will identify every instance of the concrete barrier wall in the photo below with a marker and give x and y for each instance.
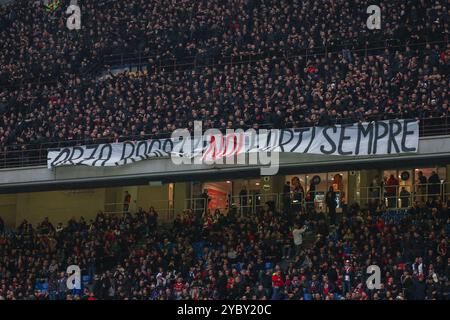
(61, 206)
(58, 206)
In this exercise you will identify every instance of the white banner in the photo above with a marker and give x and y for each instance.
(360, 139)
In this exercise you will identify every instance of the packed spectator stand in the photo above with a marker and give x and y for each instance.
(285, 255)
(251, 64)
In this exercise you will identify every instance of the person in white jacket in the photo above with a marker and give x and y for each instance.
(297, 234)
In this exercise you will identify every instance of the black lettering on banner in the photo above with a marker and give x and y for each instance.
(281, 143)
(165, 144)
(313, 135)
(393, 134)
(407, 133)
(271, 141)
(300, 138)
(100, 157)
(342, 138)
(129, 156)
(92, 156)
(379, 136)
(269, 136)
(205, 147)
(152, 143)
(64, 152)
(157, 153)
(180, 145)
(330, 141)
(364, 132)
(368, 137)
(139, 147)
(72, 159)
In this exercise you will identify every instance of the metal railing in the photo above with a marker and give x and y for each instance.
(400, 197)
(380, 197)
(375, 197)
(171, 63)
(164, 208)
(242, 204)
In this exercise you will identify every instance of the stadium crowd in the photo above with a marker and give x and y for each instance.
(230, 64)
(51, 90)
(38, 44)
(267, 255)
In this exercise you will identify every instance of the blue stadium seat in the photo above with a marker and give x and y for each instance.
(198, 249)
(237, 266)
(77, 292)
(85, 279)
(307, 296)
(41, 286)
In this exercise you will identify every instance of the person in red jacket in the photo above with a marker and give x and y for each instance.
(178, 287)
(91, 297)
(277, 284)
